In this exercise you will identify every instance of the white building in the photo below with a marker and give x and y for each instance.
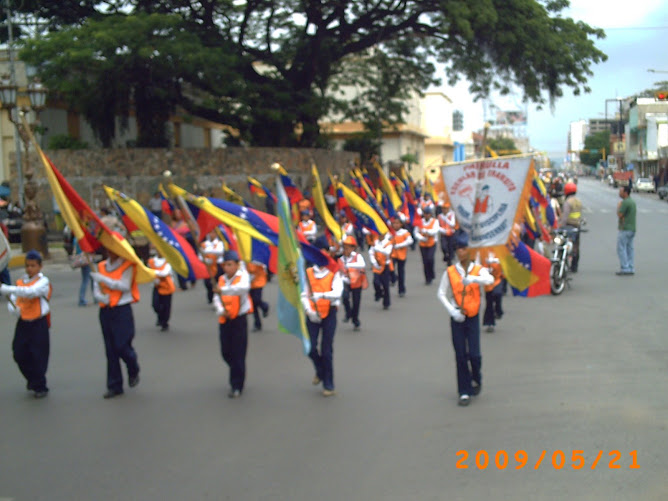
(647, 135)
(577, 131)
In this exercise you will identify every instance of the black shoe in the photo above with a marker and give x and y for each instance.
(157, 323)
(386, 306)
(112, 394)
(623, 273)
(164, 328)
(133, 381)
(346, 319)
(257, 328)
(356, 328)
(234, 394)
(41, 394)
(477, 388)
(377, 298)
(402, 294)
(265, 312)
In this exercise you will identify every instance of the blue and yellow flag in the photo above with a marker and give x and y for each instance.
(291, 274)
(388, 188)
(321, 205)
(359, 212)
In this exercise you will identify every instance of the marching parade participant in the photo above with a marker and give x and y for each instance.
(258, 279)
(212, 250)
(233, 303)
(29, 300)
(354, 280)
(459, 292)
(320, 305)
(401, 240)
(308, 226)
(163, 288)
(493, 294)
(426, 237)
(115, 289)
(447, 223)
(382, 267)
(347, 228)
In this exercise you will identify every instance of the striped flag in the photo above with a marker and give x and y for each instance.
(291, 274)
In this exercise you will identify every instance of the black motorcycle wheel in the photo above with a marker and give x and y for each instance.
(557, 279)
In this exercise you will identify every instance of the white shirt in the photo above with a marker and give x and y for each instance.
(333, 295)
(445, 288)
(355, 261)
(241, 288)
(39, 289)
(214, 247)
(421, 233)
(448, 219)
(165, 272)
(405, 243)
(383, 246)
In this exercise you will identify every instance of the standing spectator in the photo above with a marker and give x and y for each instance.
(460, 294)
(626, 213)
(155, 205)
(29, 300)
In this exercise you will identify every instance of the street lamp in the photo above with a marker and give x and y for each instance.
(33, 232)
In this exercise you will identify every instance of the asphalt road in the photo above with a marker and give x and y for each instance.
(585, 371)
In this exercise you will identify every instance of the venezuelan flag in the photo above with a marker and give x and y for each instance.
(321, 206)
(257, 188)
(90, 232)
(167, 205)
(388, 188)
(291, 274)
(233, 196)
(360, 213)
(176, 250)
(294, 193)
(538, 265)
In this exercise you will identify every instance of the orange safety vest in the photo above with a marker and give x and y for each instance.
(400, 253)
(357, 276)
(383, 260)
(323, 284)
(115, 295)
(166, 284)
(232, 304)
(449, 230)
(348, 229)
(497, 274)
(430, 240)
(481, 205)
(259, 273)
(468, 300)
(307, 226)
(31, 308)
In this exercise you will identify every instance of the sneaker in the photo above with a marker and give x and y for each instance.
(164, 328)
(112, 394)
(477, 388)
(316, 380)
(356, 328)
(41, 394)
(402, 294)
(346, 319)
(328, 393)
(490, 328)
(234, 394)
(83, 303)
(257, 328)
(133, 381)
(464, 400)
(386, 306)
(265, 312)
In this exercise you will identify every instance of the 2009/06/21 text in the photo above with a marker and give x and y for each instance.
(557, 460)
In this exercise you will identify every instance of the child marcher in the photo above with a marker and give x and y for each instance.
(493, 294)
(163, 289)
(233, 303)
(401, 240)
(354, 280)
(29, 300)
(382, 267)
(258, 279)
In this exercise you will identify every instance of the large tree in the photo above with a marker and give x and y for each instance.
(290, 58)
(597, 145)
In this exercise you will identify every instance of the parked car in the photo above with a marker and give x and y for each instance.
(644, 184)
(663, 192)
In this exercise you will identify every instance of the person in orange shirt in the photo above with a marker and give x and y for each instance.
(401, 241)
(320, 303)
(459, 292)
(426, 237)
(29, 300)
(258, 279)
(447, 222)
(115, 289)
(308, 226)
(233, 304)
(493, 294)
(163, 288)
(382, 267)
(354, 280)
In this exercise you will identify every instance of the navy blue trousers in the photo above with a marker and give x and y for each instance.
(466, 342)
(351, 303)
(258, 304)
(162, 305)
(31, 351)
(428, 263)
(323, 360)
(381, 285)
(118, 331)
(400, 270)
(233, 345)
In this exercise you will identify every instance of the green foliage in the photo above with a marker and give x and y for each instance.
(502, 144)
(66, 142)
(366, 144)
(409, 158)
(274, 69)
(597, 141)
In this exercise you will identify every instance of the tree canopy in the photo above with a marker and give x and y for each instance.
(600, 142)
(274, 69)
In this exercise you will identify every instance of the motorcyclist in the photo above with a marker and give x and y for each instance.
(571, 221)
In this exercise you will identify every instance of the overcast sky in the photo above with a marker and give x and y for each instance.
(636, 40)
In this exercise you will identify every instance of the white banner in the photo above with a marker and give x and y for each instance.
(485, 195)
(4, 251)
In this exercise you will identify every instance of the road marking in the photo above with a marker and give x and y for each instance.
(605, 211)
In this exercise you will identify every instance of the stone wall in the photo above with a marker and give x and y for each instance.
(137, 172)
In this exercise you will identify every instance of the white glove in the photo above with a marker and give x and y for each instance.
(220, 312)
(318, 295)
(13, 310)
(468, 280)
(4, 289)
(101, 298)
(97, 277)
(313, 317)
(458, 316)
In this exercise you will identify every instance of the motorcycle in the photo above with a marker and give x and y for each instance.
(562, 257)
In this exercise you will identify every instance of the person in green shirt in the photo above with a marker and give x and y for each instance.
(626, 213)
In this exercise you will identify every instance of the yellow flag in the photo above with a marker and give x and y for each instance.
(321, 205)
